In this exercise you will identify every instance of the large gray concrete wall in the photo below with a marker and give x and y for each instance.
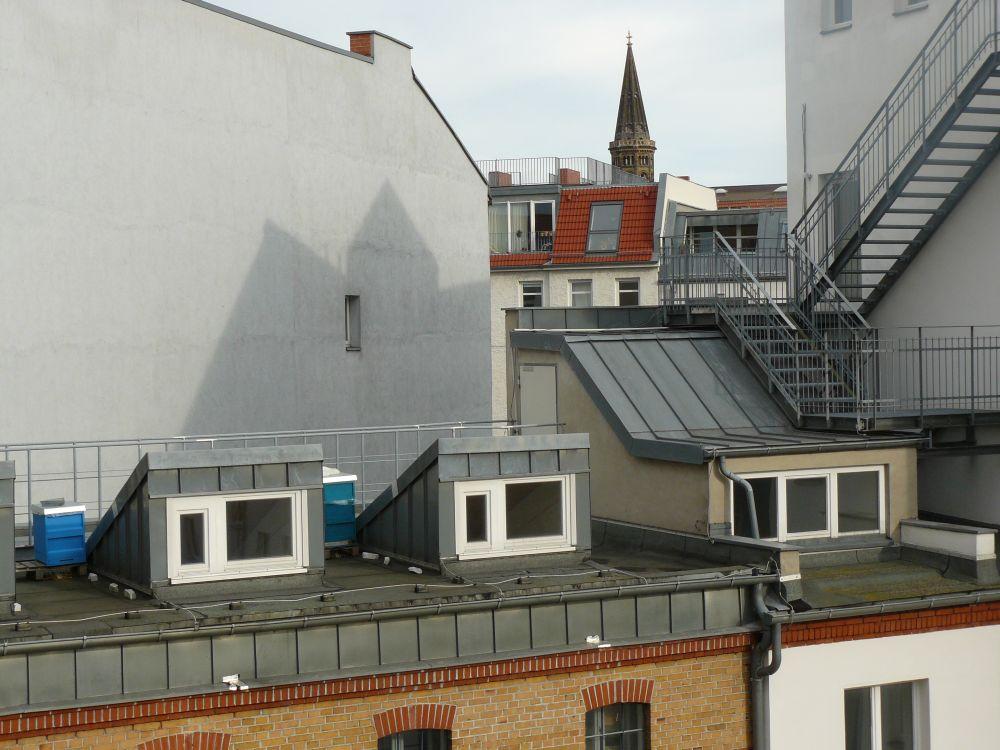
(186, 198)
(842, 78)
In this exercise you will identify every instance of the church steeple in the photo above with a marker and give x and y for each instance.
(632, 149)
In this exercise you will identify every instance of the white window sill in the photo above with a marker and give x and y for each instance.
(837, 27)
(537, 550)
(350, 348)
(195, 578)
(909, 9)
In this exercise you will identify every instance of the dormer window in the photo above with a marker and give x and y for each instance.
(217, 537)
(605, 226)
(514, 516)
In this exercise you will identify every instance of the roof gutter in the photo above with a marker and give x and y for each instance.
(305, 621)
(900, 605)
(819, 447)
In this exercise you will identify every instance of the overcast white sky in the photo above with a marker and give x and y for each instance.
(542, 78)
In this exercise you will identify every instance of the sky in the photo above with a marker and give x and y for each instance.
(543, 78)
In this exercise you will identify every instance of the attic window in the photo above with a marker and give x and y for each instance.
(514, 516)
(605, 226)
(812, 503)
(238, 536)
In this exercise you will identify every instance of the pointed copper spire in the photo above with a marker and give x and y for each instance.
(631, 112)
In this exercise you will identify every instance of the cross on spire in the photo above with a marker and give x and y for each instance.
(628, 36)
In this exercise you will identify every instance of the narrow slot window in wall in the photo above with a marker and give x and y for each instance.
(352, 322)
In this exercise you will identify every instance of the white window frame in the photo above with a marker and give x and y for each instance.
(908, 6)
(217, 567)
(532, 232)
(569, 291)
(829, 17)
(497, 544)
(832, 515)
(541, 284)
(920, 710)
(618, 289)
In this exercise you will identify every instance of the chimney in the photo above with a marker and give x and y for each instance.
(500, 179)
(569, 177)
(362, 42)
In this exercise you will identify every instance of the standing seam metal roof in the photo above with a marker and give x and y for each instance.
(684, 395)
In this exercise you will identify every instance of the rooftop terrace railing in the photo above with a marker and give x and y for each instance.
(555, 170)
(91, 472)
(507, 243)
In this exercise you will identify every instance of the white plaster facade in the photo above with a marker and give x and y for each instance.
(505, 293)
(186, 200)
(961, 668)
(836, 79)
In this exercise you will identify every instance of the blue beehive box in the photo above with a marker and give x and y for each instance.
(339, 492)
(60, 538)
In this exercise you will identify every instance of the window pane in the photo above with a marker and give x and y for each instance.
(581, 294)
(259, 528)
(475, 518)
(419, 739)
(628, 292)
(857, 501)
(543, 217)
(842, 11)
(520, 226)
(534, 509)
(765, 495)
(498, 228)
(531, 294)
(858, 719)
(192, 538)
(602, 242)
(806, 504)
(897, 716)
(621, 726)
(605, 217)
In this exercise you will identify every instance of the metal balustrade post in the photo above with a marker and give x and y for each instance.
(920, 372)
(100, 483)
(972, 374)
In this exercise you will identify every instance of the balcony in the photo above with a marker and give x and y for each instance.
(517, 242)
(555, 170)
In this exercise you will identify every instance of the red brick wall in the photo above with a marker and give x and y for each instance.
(362, 43)
(700, 700)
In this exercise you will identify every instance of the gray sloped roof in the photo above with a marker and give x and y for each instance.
(684, 395)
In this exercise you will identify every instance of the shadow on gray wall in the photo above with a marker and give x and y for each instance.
(281, 361)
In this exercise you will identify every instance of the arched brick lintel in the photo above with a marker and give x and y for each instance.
(190, 741)
(617, 691)
(417, 716)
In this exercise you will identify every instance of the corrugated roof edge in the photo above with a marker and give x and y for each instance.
(285, 32)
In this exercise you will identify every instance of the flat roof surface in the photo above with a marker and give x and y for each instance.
(683, 395)
(883, 581)
(63, 607)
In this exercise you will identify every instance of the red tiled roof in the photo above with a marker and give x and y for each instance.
(635, 244)
(518, 260)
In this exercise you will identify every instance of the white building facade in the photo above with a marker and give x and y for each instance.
(192, 204)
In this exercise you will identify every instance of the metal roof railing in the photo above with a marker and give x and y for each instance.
(91, 472)
(555, 170)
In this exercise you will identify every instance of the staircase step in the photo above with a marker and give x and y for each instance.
(902, 241)
(981, 111)
(948, 163)
(913, 210)
(866, 256)
(899, 226)
(925, 195)
(975, 128)
(989, 92)
(938, 178)
(960, 145)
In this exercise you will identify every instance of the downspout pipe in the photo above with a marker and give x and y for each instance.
(751, 503)
(760, 671)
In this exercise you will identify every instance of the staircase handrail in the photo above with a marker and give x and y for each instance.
(846, 313)
(946, 31)
(758, 286)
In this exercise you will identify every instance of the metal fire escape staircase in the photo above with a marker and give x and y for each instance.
(923, 150)
(810, 344)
